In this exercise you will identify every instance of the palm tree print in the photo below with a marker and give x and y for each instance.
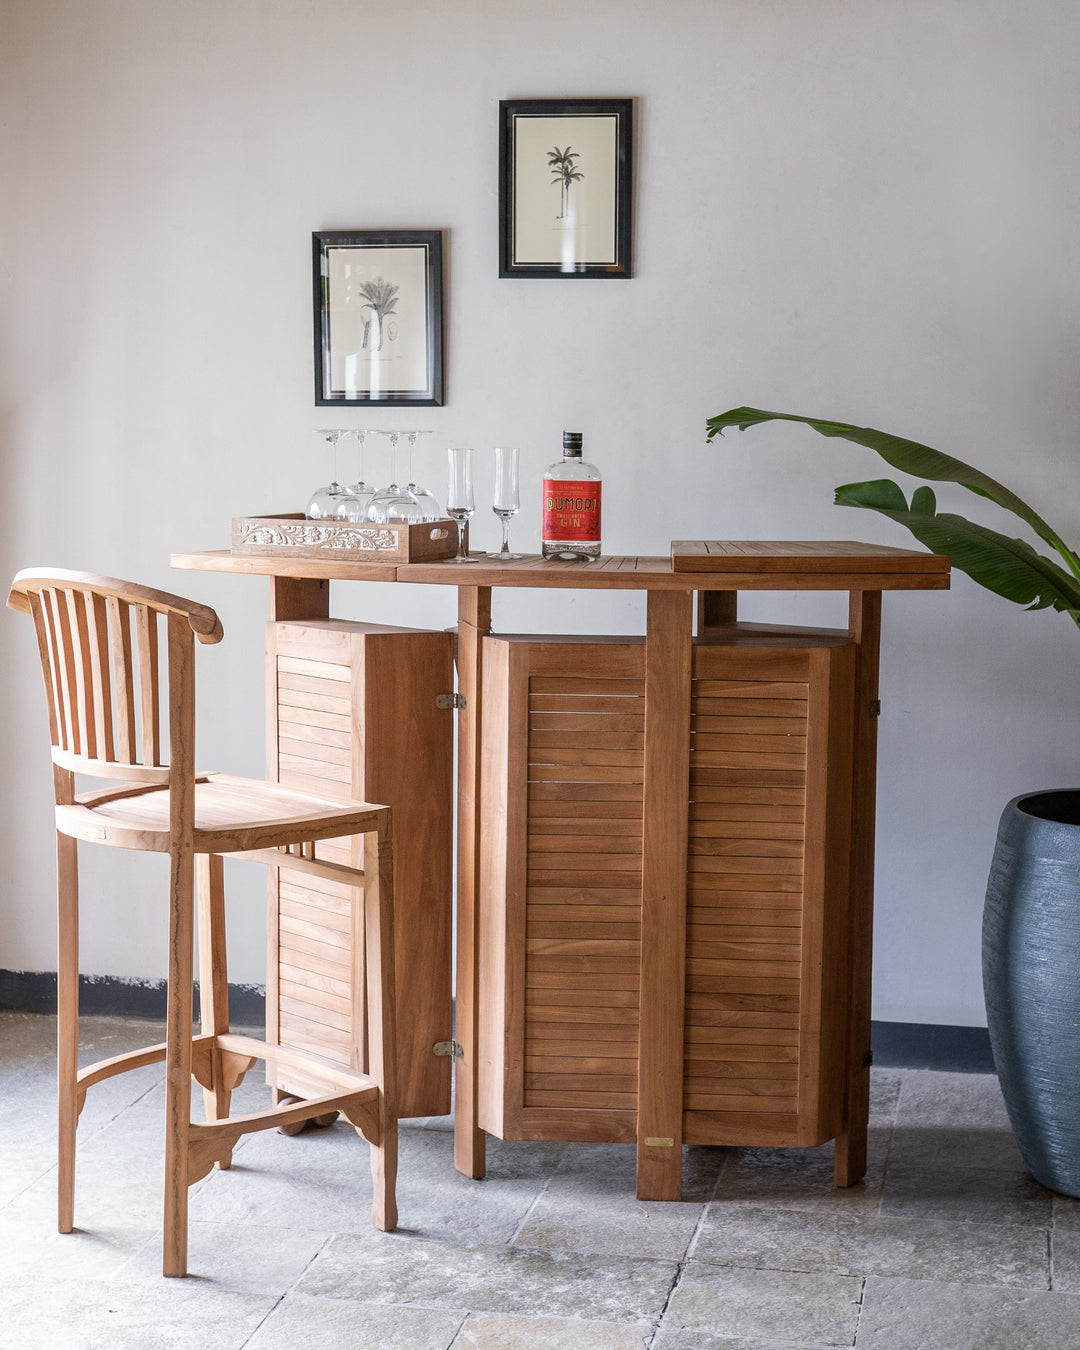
(381, 297)
(565, 173)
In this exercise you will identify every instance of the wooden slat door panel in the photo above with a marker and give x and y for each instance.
(352, 714)
(745, 868)
(561, 887)
(767, 862)
(561, 877)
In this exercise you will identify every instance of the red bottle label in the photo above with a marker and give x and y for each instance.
(571, 511)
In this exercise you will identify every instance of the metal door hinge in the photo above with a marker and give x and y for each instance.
(450, 701)
(448, 1049)
(875, 707)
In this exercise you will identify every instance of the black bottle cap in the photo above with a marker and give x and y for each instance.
(571, 442)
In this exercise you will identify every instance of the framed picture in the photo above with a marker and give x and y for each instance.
(378, 316)
(565, 187)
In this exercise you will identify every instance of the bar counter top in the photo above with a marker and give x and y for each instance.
(699, 565)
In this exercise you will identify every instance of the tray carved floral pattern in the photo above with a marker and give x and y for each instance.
(365, 538)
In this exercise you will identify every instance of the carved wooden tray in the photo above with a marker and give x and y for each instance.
(294, 536)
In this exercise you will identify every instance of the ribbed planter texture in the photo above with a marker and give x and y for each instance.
(1031, 979)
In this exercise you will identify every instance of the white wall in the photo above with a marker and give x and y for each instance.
(859, 210)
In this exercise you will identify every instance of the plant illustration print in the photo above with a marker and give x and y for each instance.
(381, 297)
(565, 173)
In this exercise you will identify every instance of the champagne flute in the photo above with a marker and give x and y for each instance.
(333, 502)
(507, 500)
(460, 503)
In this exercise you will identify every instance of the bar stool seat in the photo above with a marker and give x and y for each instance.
(98, 640)
(231, 815)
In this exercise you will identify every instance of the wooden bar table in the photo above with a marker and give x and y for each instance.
(665, 851)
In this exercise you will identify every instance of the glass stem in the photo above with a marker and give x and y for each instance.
(505, 522)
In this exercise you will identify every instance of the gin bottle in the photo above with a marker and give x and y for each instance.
(570, 519)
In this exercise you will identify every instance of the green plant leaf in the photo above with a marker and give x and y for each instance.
(880, 495)
(1009, 567)
(922, 461)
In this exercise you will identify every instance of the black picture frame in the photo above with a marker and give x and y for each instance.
(565, 212)
(378, 306)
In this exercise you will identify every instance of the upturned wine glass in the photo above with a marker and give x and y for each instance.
(429, 504)
(393, 505)
(506, 501)
(333, 502)
(362, 491)
(460, 502)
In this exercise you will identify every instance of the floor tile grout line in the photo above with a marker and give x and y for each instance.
(460, 1328)
(291, 1288)
(691, 1246)
(676, 1280)
(722, 1172)
(122, 1111)
(512, 1240)
(681, 1265)
(877, 1211)
(859, 1311)
(262, 1321)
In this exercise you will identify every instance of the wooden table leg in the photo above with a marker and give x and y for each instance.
(716, 609)
(474, 622)
(663, 894)
(299, 598)
(849, 1164)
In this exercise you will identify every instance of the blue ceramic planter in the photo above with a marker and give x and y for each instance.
(1031, 979)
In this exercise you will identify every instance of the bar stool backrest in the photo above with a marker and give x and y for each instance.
(99, 644)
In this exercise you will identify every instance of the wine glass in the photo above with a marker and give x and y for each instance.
(362, 491)
(333, 502)
(460, 503)
(393, 505)
(507, 501)
(429, 504)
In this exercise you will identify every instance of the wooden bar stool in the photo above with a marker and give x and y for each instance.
(98, 640)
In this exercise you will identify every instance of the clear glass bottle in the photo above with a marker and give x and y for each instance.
(570, 515)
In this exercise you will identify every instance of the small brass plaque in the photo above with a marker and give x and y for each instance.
(659, 1141)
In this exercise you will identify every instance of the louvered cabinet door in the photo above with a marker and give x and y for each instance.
(767, 892)
(560, 914)
(351, 713)
(769, 803)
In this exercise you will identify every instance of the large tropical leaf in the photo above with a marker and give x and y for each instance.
(922, 461)
(1008, 567)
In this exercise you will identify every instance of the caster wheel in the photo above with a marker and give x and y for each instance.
(298, 1126)
(324, 1122)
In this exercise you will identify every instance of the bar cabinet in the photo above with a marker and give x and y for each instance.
(664, 850)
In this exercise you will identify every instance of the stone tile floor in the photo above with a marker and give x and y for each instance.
(947, 1245)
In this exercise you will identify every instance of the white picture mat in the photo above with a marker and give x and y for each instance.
(588, 232)
(369, 356)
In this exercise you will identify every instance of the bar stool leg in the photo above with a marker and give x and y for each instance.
(213, 976)
(67, 1024)
(379, 949)
(178, 1060)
